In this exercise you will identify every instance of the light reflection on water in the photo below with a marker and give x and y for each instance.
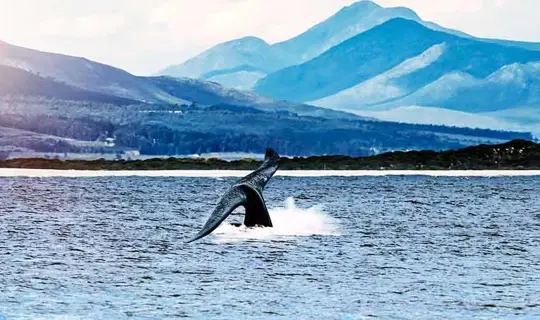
(355, 248)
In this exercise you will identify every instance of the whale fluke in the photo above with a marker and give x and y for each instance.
(247, 192)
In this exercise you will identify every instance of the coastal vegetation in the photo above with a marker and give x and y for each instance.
(516, 154)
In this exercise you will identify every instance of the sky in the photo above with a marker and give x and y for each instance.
(145, 36)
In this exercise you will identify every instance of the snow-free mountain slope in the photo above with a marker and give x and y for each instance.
(352, 62)
(445, 117)
(242, 77)
(241, 80)
(381, 49)
(18, 82)
(251, 52)
(380, 88)
(37, 73)
(348, 22)
(255, 53)
(81, 72)
(169, 130)
(512, 86)
(210, 118)
(211, 93)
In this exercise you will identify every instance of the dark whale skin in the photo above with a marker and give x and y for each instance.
(247, 192)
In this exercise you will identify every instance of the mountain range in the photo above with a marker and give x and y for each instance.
(367, 59)
(254, 55)
(341, 87)
(32, 72)
(55, 104)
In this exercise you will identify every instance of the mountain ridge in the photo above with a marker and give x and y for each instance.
(80, 72)
(86, 78)
(18, 82)
(344, 24)
(383, 48)
(74, 98)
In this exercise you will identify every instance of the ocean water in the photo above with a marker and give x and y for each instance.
(364, 247)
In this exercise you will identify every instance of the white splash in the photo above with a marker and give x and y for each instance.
(289, 221)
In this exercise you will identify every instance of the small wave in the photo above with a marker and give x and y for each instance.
(288, 221)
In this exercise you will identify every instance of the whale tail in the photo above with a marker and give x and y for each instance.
(271, 155)
(247, 193)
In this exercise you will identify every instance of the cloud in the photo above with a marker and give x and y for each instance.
(90, 26)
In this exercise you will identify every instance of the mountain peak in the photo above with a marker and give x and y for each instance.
(363, 4)
(251, 39)
(364, 8)
(403, 23)
(360, 7)
(244, 41)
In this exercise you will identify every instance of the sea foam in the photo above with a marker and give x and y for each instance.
(289, 221)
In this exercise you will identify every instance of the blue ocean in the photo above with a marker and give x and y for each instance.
(387, 247)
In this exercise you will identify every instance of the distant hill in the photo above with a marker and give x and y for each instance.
(17, 82)
(41, 114)
(53, 75)
(57, 103)
(195, 129)
(348, 22)
(383, 48)
(367, 58)
(81, 73)
(211, 93)
(252, 52)
(511, 86)
(240, 63)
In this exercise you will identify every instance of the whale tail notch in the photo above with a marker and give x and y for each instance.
(247, 193)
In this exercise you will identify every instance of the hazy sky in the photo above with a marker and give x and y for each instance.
(144, 36)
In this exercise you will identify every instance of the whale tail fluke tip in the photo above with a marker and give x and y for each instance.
(271, 154)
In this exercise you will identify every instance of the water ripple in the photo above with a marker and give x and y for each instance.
(402, 247)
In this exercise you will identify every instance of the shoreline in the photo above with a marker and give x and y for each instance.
(514, 155)
(56, 173)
